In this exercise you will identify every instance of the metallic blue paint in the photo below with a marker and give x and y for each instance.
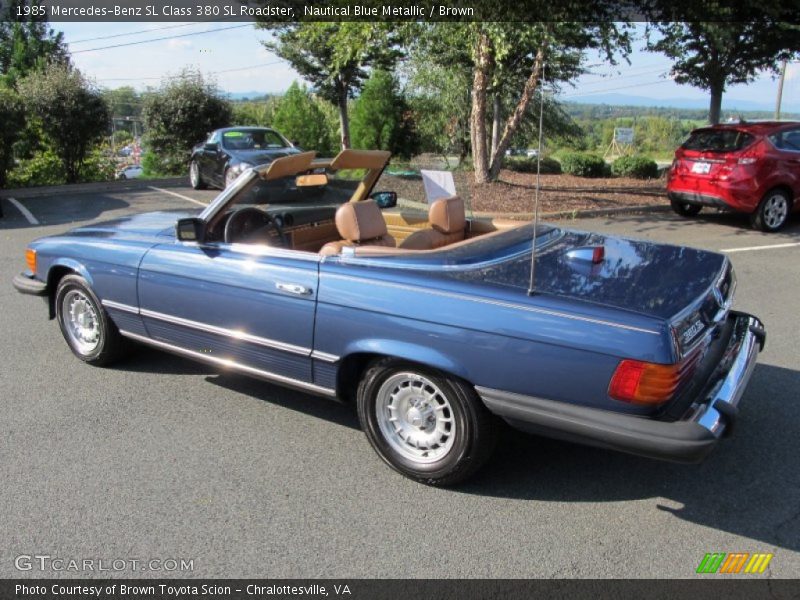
(464, 311)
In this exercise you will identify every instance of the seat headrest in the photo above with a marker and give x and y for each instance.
(360, 221)
(446, 215)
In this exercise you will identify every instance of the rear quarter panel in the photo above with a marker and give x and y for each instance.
(488, 336)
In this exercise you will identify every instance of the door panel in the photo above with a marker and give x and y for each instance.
(239, 302)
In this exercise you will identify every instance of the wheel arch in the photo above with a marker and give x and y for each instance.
(55, 273)
(355, 362)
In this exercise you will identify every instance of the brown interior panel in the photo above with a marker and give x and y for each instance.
(310, 238)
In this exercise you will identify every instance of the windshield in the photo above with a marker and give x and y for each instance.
(319, 187)
(252, 139)
(718, 140)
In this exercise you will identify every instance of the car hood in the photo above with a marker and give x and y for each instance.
(260, 157)
(657, 280)
(156, 226)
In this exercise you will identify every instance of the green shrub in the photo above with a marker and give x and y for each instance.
(524, 164)
(152, 167)
(44, 168)
(583, 164)
(98, 166)
(638, 167)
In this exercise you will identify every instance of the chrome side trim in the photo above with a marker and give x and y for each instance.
(324, 356)
(458, 296)
(231, 333)
(120, 306)
(231, 364)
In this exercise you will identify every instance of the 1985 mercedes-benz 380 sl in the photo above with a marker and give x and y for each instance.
(295, 275)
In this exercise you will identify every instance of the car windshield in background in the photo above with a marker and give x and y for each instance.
(718, 140)
(318, 188)
(251, 139)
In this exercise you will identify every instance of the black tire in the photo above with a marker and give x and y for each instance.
(772, 212)
(685, 209)
(195, 178)
(109, 345)
(472, 429)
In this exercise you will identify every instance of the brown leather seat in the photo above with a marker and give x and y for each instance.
(448, 225)
(360, 224)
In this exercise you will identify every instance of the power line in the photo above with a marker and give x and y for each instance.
(258, 66)
(169, 37)
(130, 33)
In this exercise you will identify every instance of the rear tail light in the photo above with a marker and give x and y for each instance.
(30, 259)
(651, 384)
(646, 383)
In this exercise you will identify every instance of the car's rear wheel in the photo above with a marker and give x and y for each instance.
(85, 325)
(428, 426)
(772, 212)
(685, 209)
(195, 178)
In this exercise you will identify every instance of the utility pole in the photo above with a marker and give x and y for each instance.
(780, 91)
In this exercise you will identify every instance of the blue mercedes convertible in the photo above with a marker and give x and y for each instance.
(434, 327)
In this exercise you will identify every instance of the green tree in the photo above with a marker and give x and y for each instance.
(27, 43)
(70, 110)
(734, 49)
(255, 112)
(12, 122)
(375, 120)
(179, 115)
(123, 102)
(507, 61)
(298, 117)
(334, 57)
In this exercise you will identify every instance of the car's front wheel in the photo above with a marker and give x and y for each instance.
(685, 209)
(773, 211)
(195, 179)
(85, 325)
(428, 426)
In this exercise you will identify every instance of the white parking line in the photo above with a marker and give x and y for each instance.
(772, 247)
(25, 212)
(177, 195)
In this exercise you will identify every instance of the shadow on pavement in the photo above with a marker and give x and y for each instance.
(59, 211)
(749, 487)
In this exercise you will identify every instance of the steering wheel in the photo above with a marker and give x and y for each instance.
(244, 221)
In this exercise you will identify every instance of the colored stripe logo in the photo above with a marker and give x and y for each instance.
(734, 562)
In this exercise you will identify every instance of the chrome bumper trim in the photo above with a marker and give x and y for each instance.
(721, 407)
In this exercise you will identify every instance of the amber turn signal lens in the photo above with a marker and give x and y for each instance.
(644, 383)
(30, 260)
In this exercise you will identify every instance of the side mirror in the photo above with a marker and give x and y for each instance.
(385, 199)
(211, 147)
(191, 229)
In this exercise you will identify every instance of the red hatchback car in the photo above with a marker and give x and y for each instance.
(746, 167)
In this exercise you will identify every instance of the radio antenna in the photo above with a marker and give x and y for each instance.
(531, 289)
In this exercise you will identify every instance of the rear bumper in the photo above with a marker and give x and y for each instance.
(698, 199)
(26, 284)
(686, 440)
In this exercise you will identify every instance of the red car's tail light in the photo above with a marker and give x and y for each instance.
(30, 259)
(642, 382)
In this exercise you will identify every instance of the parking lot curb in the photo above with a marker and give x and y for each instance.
(89, 188)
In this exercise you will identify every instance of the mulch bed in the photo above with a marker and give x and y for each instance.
(514, 192)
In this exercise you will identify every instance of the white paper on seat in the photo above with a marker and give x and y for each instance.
(438, 184)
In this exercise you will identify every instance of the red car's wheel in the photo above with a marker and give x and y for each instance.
(773, 211)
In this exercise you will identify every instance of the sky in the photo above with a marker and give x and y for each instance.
(233, 53)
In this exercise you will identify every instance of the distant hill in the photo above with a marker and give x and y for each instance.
(239, 96)
(729, 104)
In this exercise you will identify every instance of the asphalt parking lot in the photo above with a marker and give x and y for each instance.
(161, 458)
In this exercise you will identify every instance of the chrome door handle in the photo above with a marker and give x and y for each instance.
(293, 288)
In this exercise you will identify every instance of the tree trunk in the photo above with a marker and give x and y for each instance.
(715, 107)
(514, 120)
(344, 119)
(477, 118)
(495, 121)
